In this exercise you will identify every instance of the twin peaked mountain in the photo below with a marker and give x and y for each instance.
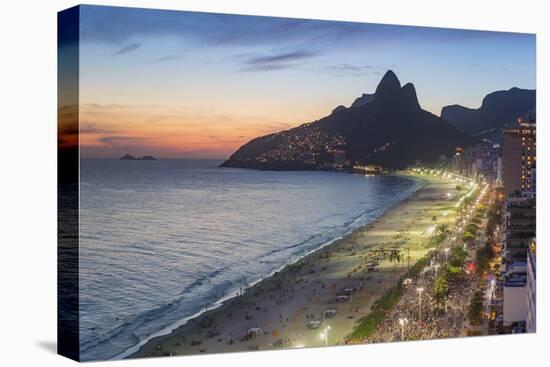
(387, 128)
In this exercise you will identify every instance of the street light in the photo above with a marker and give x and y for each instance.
(420, 290)
(324, 335)
(402, 322)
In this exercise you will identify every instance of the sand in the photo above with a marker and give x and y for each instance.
(275, 312)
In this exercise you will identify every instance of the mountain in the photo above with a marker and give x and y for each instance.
(387, 128)
(498, 109)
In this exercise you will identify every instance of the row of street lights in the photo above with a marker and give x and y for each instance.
(403, 321)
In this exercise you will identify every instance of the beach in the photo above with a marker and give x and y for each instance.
(334, 286)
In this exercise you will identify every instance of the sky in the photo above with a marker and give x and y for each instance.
(199, 85)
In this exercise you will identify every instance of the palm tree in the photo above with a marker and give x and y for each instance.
(440, 290)
(442, 231)
(395, 257)
(475, 310)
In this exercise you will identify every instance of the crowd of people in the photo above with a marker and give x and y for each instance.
(419, 315)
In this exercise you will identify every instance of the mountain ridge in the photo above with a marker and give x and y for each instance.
(390, 130)
(497, 109)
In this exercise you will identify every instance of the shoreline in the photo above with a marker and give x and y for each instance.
(224, 333)
(231, 293)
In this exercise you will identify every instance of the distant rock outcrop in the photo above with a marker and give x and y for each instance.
(387, 128)
(363, 100)
(338, 108)
(129, 157)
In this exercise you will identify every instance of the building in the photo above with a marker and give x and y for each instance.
(518, 175)
(518, 156)
(514, 294)
(479, 162)
(534, 178)
(499, 171)
(519, 225)
(531, 319)
(457, 162)
(518, 261)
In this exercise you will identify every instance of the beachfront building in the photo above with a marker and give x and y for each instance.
(518, 156)
(515, 170)
(499, 171)
(519, 225)
(531, 319)
(514, 291)
(479, 162)
(534, 179)
(458, 164)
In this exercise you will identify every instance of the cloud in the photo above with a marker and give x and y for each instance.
(282, 57)
(118, 26)
(350, 68)
(358, 70)
(127, 49)
(267, 67)
(167, 58)
(121, 25)
(121, 139)
(277, 61)
(92, 128)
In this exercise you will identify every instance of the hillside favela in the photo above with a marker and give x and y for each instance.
(255, 183)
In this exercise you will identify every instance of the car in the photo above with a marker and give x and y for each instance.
(314, 324)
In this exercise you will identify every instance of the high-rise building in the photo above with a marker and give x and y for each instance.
(514, 293)
(518, 156)
(499, 171)
(519, 188)
(531, 320)
(534, 178)
(519, 225)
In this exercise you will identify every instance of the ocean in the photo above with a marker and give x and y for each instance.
(161, 240)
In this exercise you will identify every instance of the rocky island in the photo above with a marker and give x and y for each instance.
(129, 157)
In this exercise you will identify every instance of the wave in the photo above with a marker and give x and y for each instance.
(127, 328)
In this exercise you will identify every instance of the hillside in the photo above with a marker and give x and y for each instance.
(388, 128)
(497, 109)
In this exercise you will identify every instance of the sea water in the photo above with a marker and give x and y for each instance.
(163, 240)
